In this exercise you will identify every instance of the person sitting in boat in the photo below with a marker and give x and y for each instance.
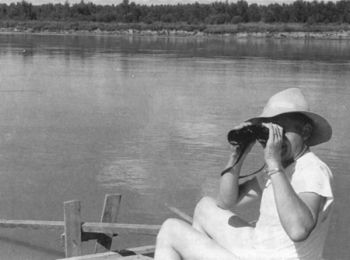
(295, 193)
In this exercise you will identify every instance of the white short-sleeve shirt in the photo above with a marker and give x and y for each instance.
(307, 174)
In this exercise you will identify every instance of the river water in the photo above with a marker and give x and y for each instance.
(82, 116)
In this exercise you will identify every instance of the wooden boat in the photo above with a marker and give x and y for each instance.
(75, 231)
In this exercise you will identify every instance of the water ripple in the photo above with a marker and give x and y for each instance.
(124, 171)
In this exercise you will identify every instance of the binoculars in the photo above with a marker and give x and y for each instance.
(248, 134)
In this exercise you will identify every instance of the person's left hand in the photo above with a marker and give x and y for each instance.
(273, 149)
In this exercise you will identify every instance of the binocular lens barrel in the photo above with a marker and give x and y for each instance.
(248, 134)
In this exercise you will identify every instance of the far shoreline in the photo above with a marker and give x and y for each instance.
(241, 30)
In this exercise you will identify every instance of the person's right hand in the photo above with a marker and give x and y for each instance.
(273, 149)
(237, 150)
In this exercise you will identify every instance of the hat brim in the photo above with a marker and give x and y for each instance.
(322, 130)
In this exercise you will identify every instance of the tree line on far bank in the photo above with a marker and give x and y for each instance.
(213, 13)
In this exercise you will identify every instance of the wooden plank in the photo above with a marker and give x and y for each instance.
(180, 213)
(107, 256)
(32, 224)
(72, 228)
(142, 250)
(94, 227)
(99, 256)
(134, 257)
(109, 215)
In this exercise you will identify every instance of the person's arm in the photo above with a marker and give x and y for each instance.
(229, 188)
(230, 192)
(297, 212)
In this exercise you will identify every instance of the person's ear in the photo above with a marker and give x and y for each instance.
(306, 131)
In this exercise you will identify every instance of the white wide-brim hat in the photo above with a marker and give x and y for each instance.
(291, 101)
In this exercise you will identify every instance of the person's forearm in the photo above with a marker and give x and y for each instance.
(229, 188)
(296, 218)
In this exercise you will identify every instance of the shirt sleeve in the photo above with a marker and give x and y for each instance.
(316, 178)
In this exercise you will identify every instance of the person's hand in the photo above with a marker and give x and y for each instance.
(236, 150)
(273, 149)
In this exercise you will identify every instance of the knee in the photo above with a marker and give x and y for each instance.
(203, 207)
(169, 230)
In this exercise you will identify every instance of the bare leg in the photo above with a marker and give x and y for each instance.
(223, 226)
(178, 240)
(164, 248)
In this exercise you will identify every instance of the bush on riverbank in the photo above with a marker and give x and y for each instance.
(275, 28)
(195, 14)
(166, 28)
(180, 19)
(59, 26)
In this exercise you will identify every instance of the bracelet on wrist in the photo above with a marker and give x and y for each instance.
(273, 171)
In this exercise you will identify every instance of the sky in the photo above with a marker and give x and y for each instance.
(103, 2)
